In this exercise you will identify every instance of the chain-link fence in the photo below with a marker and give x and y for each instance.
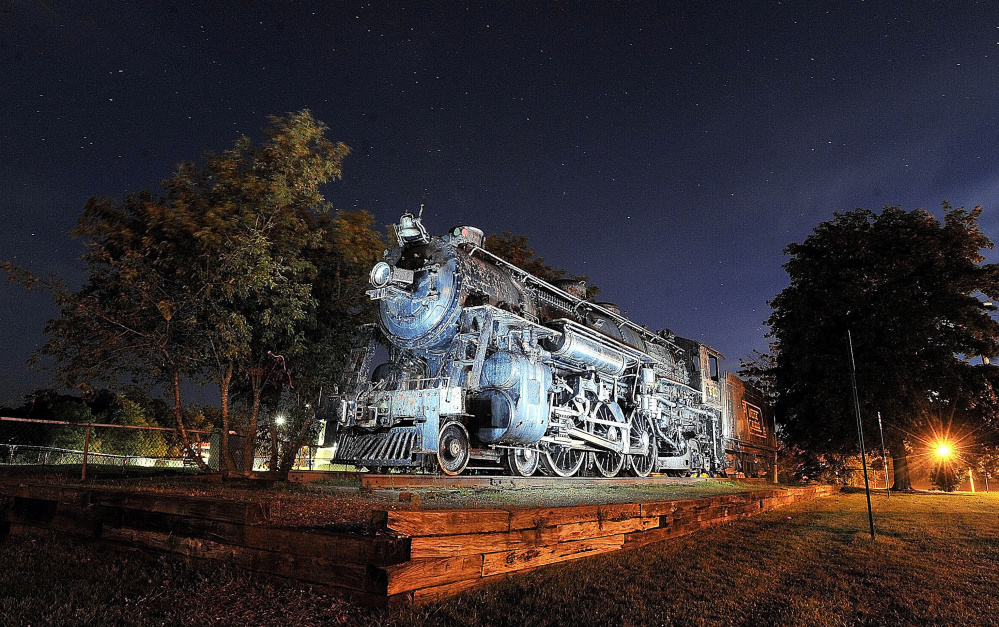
(853, 474)
(95, 448)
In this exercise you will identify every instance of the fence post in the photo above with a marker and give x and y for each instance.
(86, 451)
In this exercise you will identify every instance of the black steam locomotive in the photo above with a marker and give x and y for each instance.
(485, 365)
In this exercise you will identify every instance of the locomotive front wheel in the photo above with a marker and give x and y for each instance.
(453, 448)
(562, 461)
(522, 462)
(642, 436)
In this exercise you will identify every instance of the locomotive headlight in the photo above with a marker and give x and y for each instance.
(381, 274)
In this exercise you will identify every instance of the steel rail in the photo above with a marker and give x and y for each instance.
(401, 481)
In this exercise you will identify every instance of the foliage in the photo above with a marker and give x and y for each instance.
(908, 288)
(236, 275)
(515, 249)
(986, 463)
(945, 476)
(759, 371)
(127, 412)
(136, 319)
(290, 280)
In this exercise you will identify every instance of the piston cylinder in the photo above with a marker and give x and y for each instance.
(512, 408)
(582, 351)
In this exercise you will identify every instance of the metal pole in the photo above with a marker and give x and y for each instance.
(860, 432)
(86, 449)
(884, 455)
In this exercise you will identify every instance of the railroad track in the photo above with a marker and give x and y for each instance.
(400, 481)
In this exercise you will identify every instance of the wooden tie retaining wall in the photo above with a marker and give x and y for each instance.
(410, 556)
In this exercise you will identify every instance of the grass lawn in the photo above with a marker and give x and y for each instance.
(935, 562)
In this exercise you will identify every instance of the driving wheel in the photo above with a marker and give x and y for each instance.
(562, 461)
(642, 437)
(607, 463)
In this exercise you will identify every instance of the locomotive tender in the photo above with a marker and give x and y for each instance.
(489, 365)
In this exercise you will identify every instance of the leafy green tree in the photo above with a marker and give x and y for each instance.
(268, 229)
(909, 288)
(986, 463)
(351, 247)
(515, 249)
(128, 413)
(137, 316)
(945, 476)
(237, 275)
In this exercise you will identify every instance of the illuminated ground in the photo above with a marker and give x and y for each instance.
(933, 563)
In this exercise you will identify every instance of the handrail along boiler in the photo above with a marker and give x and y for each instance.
(487, 362)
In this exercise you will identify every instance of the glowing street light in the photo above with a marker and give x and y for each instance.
(944, 450)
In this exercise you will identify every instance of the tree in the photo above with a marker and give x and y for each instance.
(946, 476)
(515, 249)
(909, 289)
(256, 208)
(237, 275)
(270, 229)
(137, 316)
(758, 370)
(986, 463)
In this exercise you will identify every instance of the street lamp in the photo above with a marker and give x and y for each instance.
(944, 450)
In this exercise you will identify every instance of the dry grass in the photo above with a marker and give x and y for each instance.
(934, 563)
(62, 583)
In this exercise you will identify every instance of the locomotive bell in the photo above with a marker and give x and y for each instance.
(410, 230)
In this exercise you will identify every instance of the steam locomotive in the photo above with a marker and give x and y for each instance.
(485, 366)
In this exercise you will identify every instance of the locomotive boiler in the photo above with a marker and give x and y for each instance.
(483, 365)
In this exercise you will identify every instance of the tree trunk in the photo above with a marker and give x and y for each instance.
(178, 414)
(293, 445)
(900, 461)
(250, 435)
(272, 427)
(227, 464)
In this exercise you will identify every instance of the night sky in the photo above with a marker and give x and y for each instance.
(669, 151)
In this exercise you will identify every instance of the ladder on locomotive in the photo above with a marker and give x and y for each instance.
(472, 366)
(362, 352)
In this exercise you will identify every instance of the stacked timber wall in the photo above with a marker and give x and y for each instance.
(411, 556)
(454, 550)
(227, 531)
